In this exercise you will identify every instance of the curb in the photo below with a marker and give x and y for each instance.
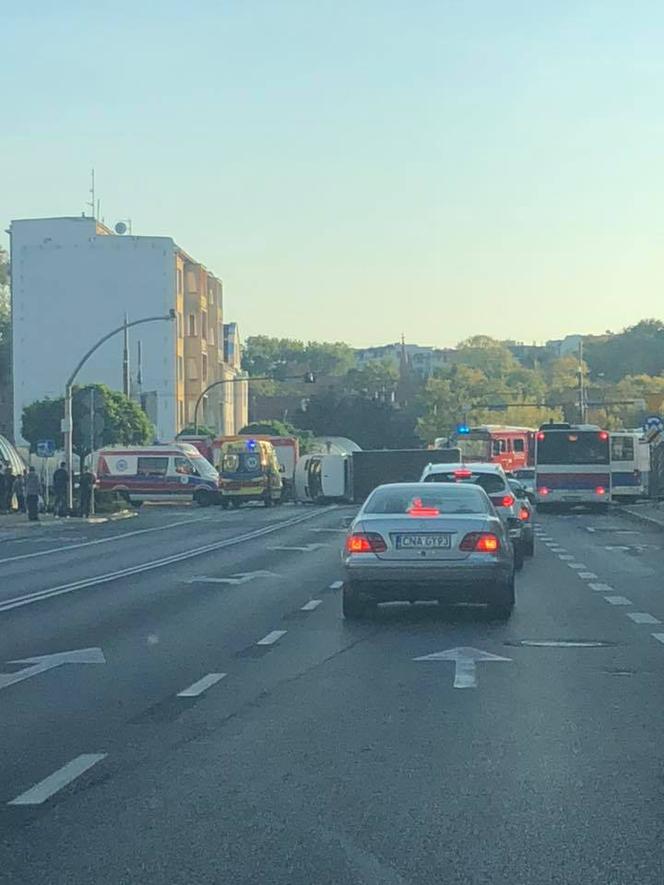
(642, 518)
(52, 522)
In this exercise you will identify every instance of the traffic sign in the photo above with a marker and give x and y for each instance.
(653, 422)
(46, 448)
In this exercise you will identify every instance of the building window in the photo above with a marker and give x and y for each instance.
(192, 325)
(210, 334)
(180, 369)
(204, 325)
(204, 366)
(192, 369)
(211, 294)
(180, 325)
(191, 405)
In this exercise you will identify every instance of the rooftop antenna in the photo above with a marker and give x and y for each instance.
(92, 204)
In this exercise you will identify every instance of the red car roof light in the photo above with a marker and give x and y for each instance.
(463, 473)
(418, 509)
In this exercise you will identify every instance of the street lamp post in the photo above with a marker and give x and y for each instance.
(67, 423)
(308, 378)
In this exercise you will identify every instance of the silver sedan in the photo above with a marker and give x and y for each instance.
(425, 541)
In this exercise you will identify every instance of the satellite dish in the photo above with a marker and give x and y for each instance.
(120, 228)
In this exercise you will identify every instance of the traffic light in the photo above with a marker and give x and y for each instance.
(309, 378)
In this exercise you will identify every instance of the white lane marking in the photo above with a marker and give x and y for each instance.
(311, 605)
(202, 685)
(577, 565)
(556, 549)
(643, 618)
(307, 548)
(561, 643)
(43, 663)
(618, 600)
(589, 528)
(659, 637)
(39, 595)
(588, 576)
(565, 556)
(465, 663)
(330, 531)
(272, 637)
(59, 779)
(239, 578)
(336, 585)
(601, 588)
(108, 540)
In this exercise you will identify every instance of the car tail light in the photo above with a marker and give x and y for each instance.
(524, 514)
(503, 501)
(600, 490)
(541, 435)
(603, 435)
(543, 491)
(365, 542)
(480, 542)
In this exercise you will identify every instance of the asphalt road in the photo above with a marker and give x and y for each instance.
(221, 723)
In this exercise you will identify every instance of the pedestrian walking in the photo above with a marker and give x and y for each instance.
(32, 492)
(19, 490)
(86, 484)
(60, 484)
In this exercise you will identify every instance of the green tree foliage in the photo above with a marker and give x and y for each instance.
(638, 350)
(371, 423)
(203, 430)
(122, 421)
(268, 428)
(263, 355)
(375, 378)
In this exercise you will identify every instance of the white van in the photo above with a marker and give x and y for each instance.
(175, 472)
(320, 478)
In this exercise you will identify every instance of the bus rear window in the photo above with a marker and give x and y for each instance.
(572, 447)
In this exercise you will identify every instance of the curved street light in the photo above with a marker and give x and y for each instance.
(67, 423)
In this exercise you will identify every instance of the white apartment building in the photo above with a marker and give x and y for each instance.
(73, 280)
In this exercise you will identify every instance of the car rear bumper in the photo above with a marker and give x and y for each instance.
(460, 582)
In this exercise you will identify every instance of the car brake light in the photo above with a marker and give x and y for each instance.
(524, 514)
(600, 490)
(418, 509)
(541, 435)
(603, 435)
(480, 542)
(365, 542)
(463, 474)
(543, 491)
(503, 501)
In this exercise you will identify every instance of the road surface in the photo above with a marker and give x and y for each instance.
(183, 703)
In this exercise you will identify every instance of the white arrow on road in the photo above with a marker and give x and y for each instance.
(465, 659)
(239, 578)
(42, 663)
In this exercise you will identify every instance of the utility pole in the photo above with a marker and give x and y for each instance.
(126, 381)
(92, 447)
(583, 405)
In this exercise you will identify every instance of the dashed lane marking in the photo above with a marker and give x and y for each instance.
(565, 556)
(202, 685)
(643, 618)
(618, 600)
(272, 637)
(59, 779)
(588, 576)
(601, 588)
(577, 565)
(659, 637)
(311, 605)
(336, 585)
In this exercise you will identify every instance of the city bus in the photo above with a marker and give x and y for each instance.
(511, 447)
(572, 465)
(630, 465)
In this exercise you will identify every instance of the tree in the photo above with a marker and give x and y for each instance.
(267, 428)
(203, 430)
(263, 355)
(120, 420)
(637, 350)
(487, 354)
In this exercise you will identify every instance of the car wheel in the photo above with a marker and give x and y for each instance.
(518, 556)
(530, 547)
(203, 498)
(352, 604)
(502, 604)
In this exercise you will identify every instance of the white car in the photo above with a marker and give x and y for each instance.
(492, 478)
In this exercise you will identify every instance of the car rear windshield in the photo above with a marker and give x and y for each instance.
(492, 483)
(445, 501)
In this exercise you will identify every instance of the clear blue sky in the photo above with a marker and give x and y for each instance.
(353, 169)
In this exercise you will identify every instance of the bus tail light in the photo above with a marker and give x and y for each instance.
(600, 490)
(540, 435)
(543, 491)
(365, 542)
(480, 542)
(603, 435)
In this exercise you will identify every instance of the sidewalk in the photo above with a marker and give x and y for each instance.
(16, 521)
(649, 512)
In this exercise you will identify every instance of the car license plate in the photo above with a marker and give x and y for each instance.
(437, 542)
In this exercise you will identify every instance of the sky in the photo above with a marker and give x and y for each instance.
(358, 169)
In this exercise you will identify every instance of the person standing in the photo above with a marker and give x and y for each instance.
(86, 484)
(9, 489)
(60, 481)
(32, 493)
(19, 490)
